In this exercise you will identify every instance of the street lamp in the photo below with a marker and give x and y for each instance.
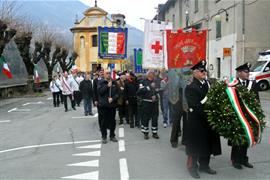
(187, 19)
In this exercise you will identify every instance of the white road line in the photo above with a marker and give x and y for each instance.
(86, 117)
(121, 145)
(26, 104)
(33, 103)
(14, 109)
(123, 169)
(87, 176)
(94, 153)
(46, 145)
(95, 146)
(5, 121)
(121, 132)
(94, 163)
(50, 98)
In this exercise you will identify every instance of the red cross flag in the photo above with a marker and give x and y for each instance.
(155, 54)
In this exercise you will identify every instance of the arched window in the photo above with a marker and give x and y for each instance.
(94, 41)
(82, 41)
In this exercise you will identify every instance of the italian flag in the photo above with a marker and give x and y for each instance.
(5, 68)
(113, 42)
(36, 75)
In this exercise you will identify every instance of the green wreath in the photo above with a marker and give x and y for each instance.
(223, 118)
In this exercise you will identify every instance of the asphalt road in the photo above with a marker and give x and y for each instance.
(38, 141)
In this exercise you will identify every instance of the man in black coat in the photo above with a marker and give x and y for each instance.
(201, 141)
(239, 153)
(149, 97)
(130, 97)
(95, 84)
(87, 94)
(107, 101)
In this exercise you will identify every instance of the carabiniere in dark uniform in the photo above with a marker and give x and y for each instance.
(239, 153)
(201, 141)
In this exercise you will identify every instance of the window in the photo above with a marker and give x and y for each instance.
(218, 28)
(94, 41)
(82, 42)
(196, 6)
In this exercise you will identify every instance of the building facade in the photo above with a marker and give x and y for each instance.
(85, 39)
(237, 30)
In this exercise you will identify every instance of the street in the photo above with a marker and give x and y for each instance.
(38, 141)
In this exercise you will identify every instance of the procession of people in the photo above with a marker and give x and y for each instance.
(139, 102)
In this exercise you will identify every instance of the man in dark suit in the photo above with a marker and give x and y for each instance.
(107, 100)
(201, 141)
(239, 153)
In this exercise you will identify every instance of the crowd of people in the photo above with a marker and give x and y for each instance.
(137, 99)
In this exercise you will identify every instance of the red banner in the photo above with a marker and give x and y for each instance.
(185, 48)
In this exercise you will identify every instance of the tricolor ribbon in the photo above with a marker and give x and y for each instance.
(235, 101)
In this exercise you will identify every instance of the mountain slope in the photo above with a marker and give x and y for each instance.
(61, 16)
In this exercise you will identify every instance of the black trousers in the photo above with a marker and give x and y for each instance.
(77, 97)
(193, 162)
(149, 112)
(132, 114)
(71, 100)
(239, 154)
(56, 100)
(176, 116)
(107, 121)
(123, 113)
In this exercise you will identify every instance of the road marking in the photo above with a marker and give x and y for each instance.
(86, 117)
(94, 163)
(123, 169)
(121, 145)
(94, 153)
(121, 132)
(95, 146)
(46, 145)
(34, 103)
(88, 176)
(14, 109)
(50, 98)
(5, 121)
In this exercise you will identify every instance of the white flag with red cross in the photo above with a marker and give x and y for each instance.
(155, 48)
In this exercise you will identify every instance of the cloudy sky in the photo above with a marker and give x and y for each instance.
(132, 9)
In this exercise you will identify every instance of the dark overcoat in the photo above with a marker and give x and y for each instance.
(201, 139)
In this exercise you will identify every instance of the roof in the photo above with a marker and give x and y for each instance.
(90, 11)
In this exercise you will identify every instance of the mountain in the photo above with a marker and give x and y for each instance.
(61, 15)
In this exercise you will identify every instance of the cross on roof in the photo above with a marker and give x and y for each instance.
(95, 3)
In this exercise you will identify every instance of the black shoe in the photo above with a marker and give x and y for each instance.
(74, 108)
(155, 135)
(146, 136)
(104, 140)
(91, 114)
(66, 110)
(194, 173)
(208, 170)
(237, 166)
(174, 144)
(247, 164)
(113, 139)
(86, 114)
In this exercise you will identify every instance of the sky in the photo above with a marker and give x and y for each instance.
(132, 9)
